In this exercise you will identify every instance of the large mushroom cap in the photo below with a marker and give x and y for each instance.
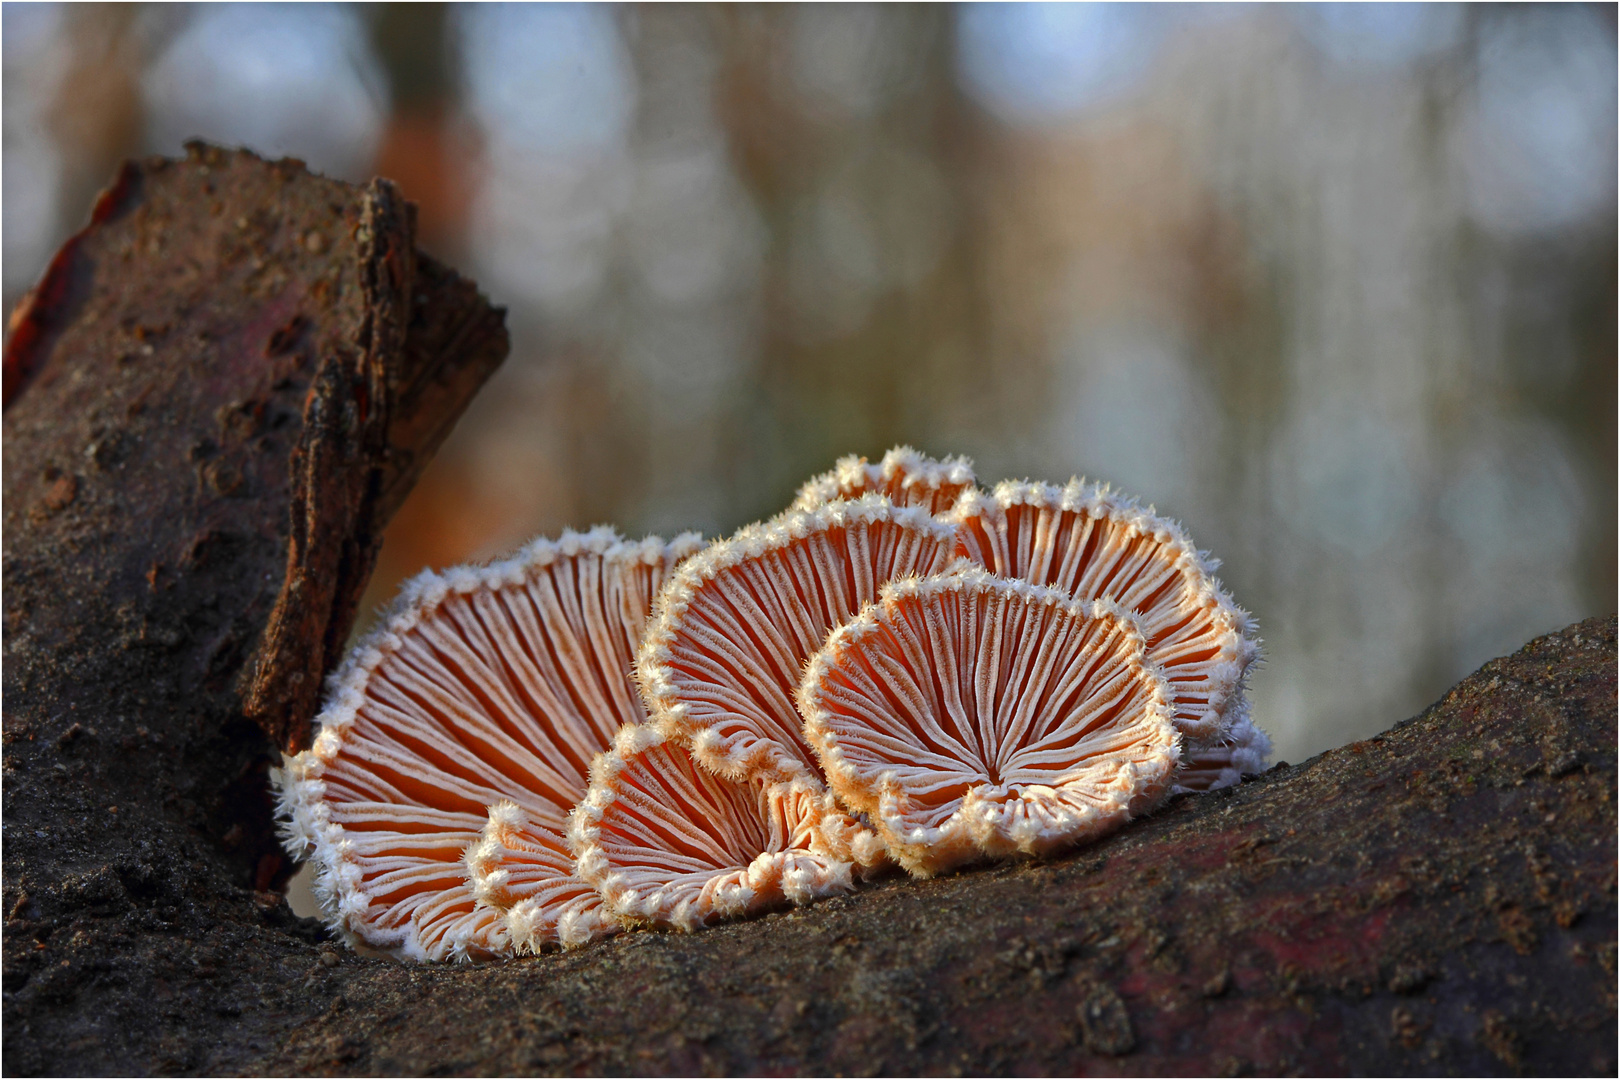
(489, 686)
(733, 628)
(970, 715)
(904, 476)
(1094, 544)
(668, 842)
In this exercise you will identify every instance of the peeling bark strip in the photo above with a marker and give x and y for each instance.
(334, 479)
(1440, 898)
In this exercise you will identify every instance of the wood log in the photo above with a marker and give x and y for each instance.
(215, 397)
(224, 385)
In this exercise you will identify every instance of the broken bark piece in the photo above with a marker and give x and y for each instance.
(455, 341)
(205, 407)
(250, 325)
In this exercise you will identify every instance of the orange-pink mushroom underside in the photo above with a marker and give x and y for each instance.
(971, 716)
(904, 476)
(1094, 544)
(728, 642)
(595, 732)
(488, 687)
(667, 841)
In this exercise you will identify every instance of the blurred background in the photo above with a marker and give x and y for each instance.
(1333, 285)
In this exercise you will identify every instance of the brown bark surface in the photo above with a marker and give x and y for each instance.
(220, 391)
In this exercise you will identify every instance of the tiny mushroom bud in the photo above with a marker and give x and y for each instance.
(1208, 766)
(668, 842)
(472, 715)
(970, 715)
(1095, 544)
(905, 476)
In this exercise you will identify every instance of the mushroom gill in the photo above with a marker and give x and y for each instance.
(733, 628)
(969, 716)
(905, 476)
(481, 701)
(1095, 544)
(668, 842)
(1222, 762)
(522, 868)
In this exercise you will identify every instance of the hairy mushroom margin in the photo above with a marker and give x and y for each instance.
(465, 726)
(1095, 544)
(904, 476)
(598, 733)
(666, 841)
(974, 716)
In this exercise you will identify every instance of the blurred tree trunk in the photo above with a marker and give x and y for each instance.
(217, 395)
(865, 161)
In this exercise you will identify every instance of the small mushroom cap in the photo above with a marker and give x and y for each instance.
(1097, 545)
(524, 869)
(486, 685)
(970, 715)
(904, 476)
(668, 842)
(1241, 750)
(733, 628)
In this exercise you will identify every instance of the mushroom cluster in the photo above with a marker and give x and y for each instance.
(902, 669)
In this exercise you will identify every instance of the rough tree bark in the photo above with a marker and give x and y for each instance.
(219, 392)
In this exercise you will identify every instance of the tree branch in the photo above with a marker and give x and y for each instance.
(219, 393)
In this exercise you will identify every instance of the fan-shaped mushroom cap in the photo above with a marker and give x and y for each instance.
(486, 685)
(904, 476)
(970, 715)
(522, 868)
(733, 628)
(666, 841)
(1244, 748)
(1095, 544)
